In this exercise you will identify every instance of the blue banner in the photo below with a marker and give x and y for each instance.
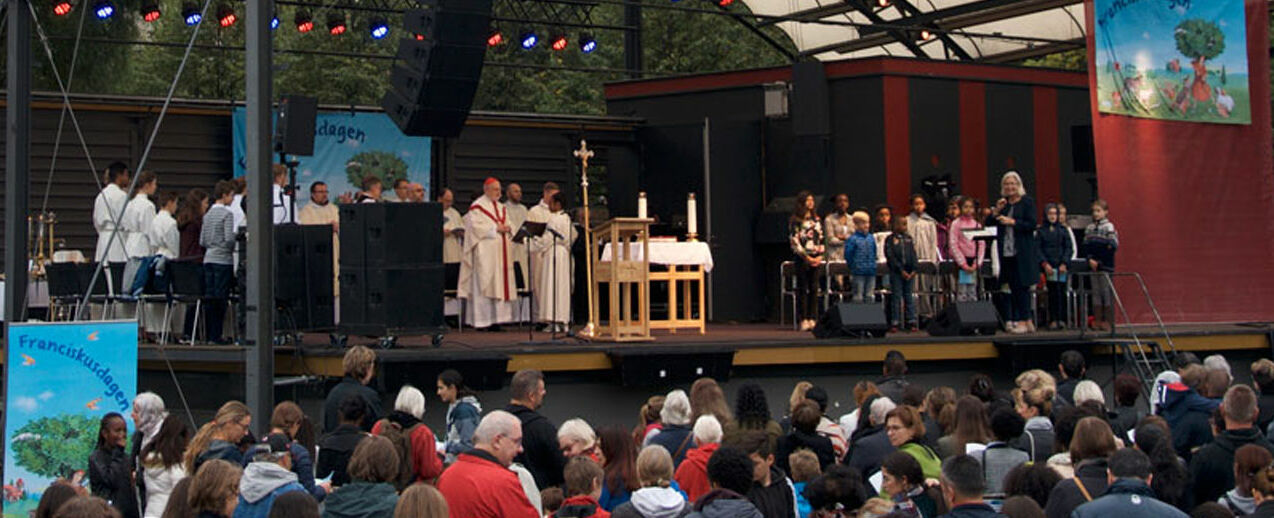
(349, 146)
(1183, 60)
(63, 377)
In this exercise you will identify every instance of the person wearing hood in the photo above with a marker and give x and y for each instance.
(1092, 443)
(285, 421)
(692, 474)
(463, 413)
(1035, 405)
(656, 498)
(1249, 460)
(772, 492)
(480, 484)
(266, 477)
(219, 438)
(872, 443)
(541, 454)
(582, 489)
(110, 470)
(1212, 467)
(730, 473)
(422, 449)
(148, 417)
(1188, 410)
(370, 493)
(1129, 495)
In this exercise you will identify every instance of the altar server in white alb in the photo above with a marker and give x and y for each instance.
(452, 228)
(139, 214)
(517, 216)
(540, 214)
(556, 269)
(163, 233)
(486, 270)
(107, 209)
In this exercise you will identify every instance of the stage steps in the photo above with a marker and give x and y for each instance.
(1147, 358)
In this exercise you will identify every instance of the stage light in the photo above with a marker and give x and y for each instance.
(336, 24)
(587, 44)
(495, 38)
(303, 21)
(558, 41)
(274, 22)
(926, 35)
(226, 16)
(883, 3)
(725, 3)
(61, 7)
(104, 9)
(529, 39)
(150, 10)
(420, 37)
(190, 13)
(378, 27)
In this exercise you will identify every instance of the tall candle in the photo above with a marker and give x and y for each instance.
(692, 216)
(641, 205)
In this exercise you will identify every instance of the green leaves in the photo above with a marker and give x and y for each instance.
(1198, 38)
(55, 447)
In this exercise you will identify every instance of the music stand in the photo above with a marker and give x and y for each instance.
(529, 229)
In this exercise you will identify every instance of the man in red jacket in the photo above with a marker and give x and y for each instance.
(479, 484)
(692, 474)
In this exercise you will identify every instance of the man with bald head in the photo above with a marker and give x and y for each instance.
(417, 192)
(480, 484)
(517, 216)
(486, 267)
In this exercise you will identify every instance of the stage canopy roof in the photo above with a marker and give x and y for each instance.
(965, 30)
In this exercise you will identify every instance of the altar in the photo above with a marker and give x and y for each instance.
(683, 266)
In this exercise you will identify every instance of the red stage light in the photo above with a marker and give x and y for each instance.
(61, 7)
(305, 26)
(724, 3)
(559, 42)
(226, 16)
(495, 38)
(420, 37)
(151, 16)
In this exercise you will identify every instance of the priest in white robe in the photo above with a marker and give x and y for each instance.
(452, 228)
(540, 214)
(556, 269)
(517, 216)
(486, 269)
(107, 209)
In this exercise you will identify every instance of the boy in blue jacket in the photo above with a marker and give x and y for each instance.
(900, 255)
(860, 253)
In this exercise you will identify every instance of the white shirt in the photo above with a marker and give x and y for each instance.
(138, 216)
(282, 205)
(106, 208)
(236, 208)
(164, 236)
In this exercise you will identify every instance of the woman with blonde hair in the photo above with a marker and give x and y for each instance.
(1014, 214)
(219, 438)
(421, 501)
(658, 496)
(1035, 404)
(214, 490)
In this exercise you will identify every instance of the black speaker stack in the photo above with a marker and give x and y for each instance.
(436, 74)
(391, 268)
(303, 278)
(853, 320)
(294, 131)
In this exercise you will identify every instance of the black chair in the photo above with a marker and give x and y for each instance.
(64, 288)
(186, 279)
(101, 293)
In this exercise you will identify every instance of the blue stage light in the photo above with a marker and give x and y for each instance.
(379, 28)
(104, 9)
(529, 39)
(274, 23)
(587, 44)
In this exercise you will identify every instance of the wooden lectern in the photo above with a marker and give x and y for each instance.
(624, 277)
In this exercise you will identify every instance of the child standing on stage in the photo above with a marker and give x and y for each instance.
(1055, 253)
(966, 252)
(900, 254)
(1101, 241)
(860, 253)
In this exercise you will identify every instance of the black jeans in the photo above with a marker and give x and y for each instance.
(1020, 294)
(216, 282)
(806, 290)
(1057, 302)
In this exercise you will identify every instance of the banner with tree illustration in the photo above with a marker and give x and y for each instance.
(63, 377)
(349, 146)
(1182, 60)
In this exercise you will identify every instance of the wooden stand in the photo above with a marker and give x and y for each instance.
(624, 279)
(681, 276)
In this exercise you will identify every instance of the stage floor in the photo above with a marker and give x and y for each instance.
(754, 345)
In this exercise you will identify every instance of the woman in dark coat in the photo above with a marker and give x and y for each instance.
(1015, 217)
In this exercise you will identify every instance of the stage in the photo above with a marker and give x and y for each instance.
(743, 345)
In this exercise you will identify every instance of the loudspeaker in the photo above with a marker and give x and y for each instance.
(434, 79)
(856, 320)
(303, 277)
(377, 235)
(966, 319)
(294, 133)
(381, 301)
(811, 113)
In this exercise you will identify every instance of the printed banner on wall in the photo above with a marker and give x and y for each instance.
(348, 147)
(63, 377)
(1183, 60)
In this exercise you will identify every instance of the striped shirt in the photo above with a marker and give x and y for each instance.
(217, 235)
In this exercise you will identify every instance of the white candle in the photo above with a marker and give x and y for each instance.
(692, 216)
(641, 205)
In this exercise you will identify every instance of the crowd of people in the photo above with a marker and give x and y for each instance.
(904, 261)
(1050, 446)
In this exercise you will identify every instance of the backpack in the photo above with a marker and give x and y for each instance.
(401, 439)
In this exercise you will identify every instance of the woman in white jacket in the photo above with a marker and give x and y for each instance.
(162, 462)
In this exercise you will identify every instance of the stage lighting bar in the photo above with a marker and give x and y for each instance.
(61, 7)
(190, 13)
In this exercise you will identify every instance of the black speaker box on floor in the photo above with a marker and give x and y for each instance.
(295, 127)
(853, 320)
(401, 298)
(661, 367)
(966, 319)
(303, 277)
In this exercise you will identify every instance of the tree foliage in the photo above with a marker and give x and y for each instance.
(1199, 39)
(55, 447)
(1076, 60)
(381, 164)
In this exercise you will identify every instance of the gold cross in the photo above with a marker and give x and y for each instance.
(583, 153)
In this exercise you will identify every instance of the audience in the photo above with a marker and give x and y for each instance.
(479, 484)
(296, 504)
(413, 441)
(656, 497)
(370, 493)
(338, 446)
(998, 458)
(675, 436)
(804, 436)
(962, 488)
(1072, 369)
(872, 444)
(1212, 467)
(1263, 382)
(805, 468)
(463, 413)
(359, 365)
(1249, 460)
(771, 490)
(903, 481)
(971, 426)
(542, 453)
(692, 474)
(1034, 480)
(214, 490)
(1129, 494)
(730, 474)
(1263, 493)
(620, 466)
(268, 476)
(837, 490)
(582, 488)
(1093, 442)
(110, 468)
(905, 430)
